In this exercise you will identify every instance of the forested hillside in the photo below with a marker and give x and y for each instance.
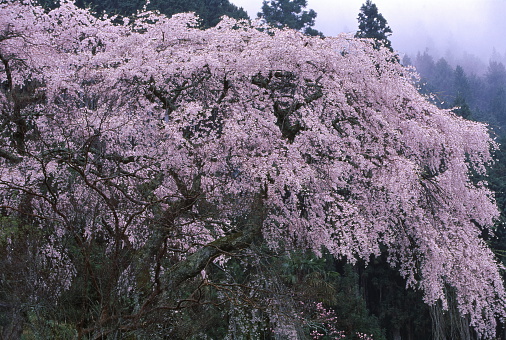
(160, 180)
(481, 97)
(208, 11)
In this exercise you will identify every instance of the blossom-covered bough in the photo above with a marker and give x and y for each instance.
(154, 149)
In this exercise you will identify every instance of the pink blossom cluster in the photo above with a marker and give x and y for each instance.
(327, 318)
(326, 327)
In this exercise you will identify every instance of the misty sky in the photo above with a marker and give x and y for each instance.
(446, 27)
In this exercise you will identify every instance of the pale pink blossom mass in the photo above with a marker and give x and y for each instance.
(158, 135)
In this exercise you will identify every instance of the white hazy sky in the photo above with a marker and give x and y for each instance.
(445, 27)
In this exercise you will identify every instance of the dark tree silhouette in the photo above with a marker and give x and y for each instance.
(372, 24)
(289, 13)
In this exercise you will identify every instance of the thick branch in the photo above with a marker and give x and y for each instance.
(195, 263)
(8, 72)
(10, 156)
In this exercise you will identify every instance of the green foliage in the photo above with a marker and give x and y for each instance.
(461, 107)
(443, 81)
(289, 13)
(120, 7)
(462, 86)
(41, 328)
(372, 24)
(336, 286)
(20, 239)
(352, 309)
(209, 11)
(482, 98)
(9, 228)
(400, 311)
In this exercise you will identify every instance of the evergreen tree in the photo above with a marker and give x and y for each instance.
(461, 107)
(496, 75)
(443, 82)
(496, 93)
(372, 24)
(461, 82)
(425, 66)
(406, 60)
(498, 106)
(289, 13)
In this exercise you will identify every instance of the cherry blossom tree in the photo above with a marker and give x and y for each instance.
(143, 153)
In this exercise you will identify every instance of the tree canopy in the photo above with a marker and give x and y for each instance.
(289, 13)
(372, 24)
(143, 163)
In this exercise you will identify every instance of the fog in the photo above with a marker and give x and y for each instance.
(463, 31)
